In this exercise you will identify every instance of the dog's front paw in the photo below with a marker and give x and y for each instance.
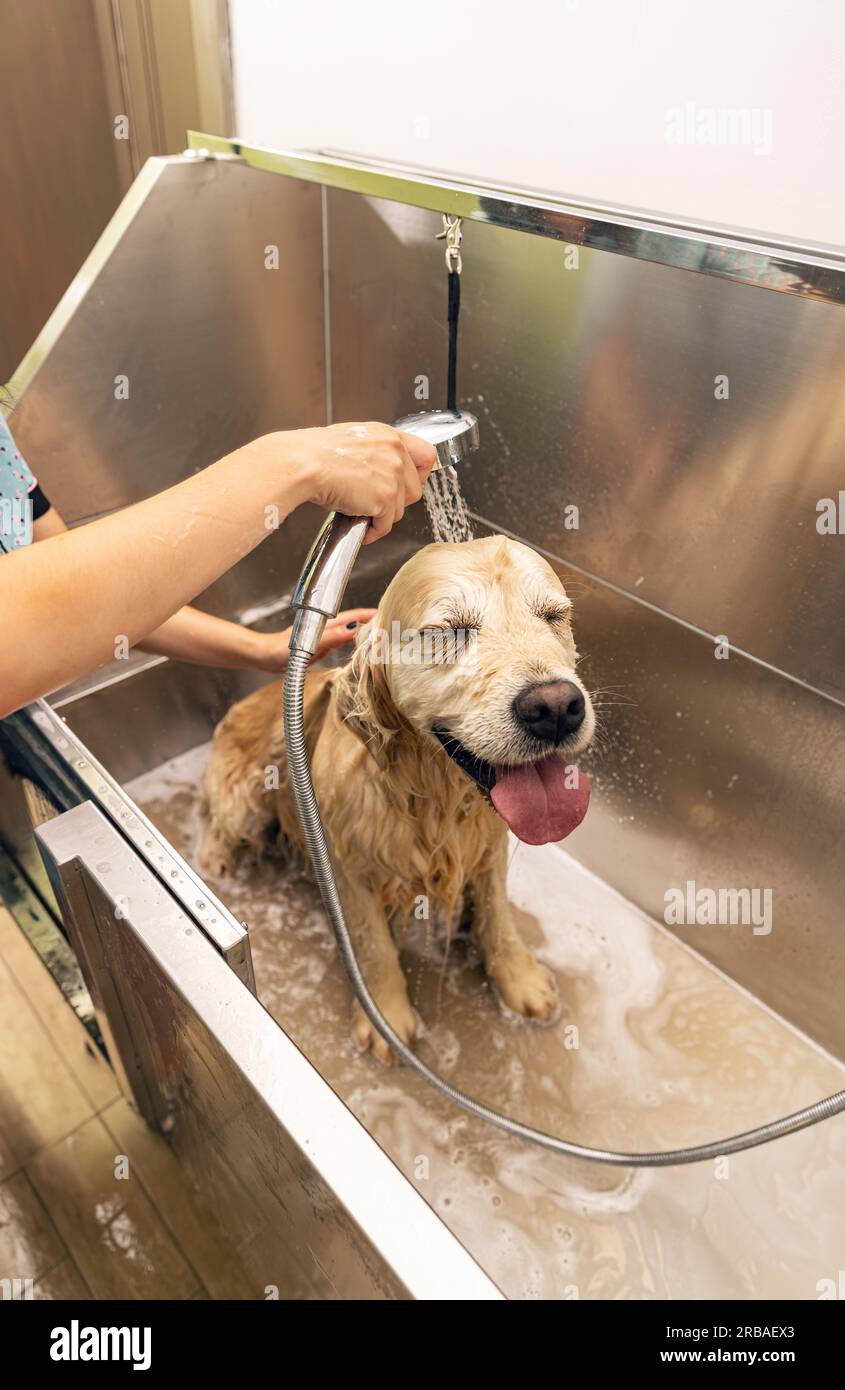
(524, 985)
(402, 1019)
(215, 856)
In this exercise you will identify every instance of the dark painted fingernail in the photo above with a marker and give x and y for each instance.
(355, 624)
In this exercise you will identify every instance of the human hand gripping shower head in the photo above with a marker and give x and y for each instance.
(317, 597)
(328, 565)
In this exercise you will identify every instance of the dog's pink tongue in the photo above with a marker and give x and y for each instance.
(541, 801)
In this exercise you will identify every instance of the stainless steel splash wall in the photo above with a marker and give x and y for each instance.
(594, 377)
(177, 343)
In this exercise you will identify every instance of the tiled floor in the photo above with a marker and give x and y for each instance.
(93, 1204)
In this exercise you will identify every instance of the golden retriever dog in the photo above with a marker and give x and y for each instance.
(457, 716)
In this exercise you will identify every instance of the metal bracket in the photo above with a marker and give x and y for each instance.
(452, 233)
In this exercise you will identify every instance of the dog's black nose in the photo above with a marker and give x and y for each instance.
(551, 711)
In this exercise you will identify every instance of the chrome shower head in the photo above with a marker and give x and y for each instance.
(454, 434)
(322, 583)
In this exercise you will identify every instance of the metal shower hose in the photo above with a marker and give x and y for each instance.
(300, 772)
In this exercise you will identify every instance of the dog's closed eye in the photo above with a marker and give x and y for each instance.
(447, 642)
(455, 620)
(553, 613)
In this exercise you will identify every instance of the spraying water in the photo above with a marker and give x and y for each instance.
(447, 510)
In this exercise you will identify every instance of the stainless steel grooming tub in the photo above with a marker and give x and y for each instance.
(676, 397)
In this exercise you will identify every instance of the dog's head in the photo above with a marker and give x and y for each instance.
(472, 650)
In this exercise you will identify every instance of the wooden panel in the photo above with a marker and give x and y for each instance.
(111, 1228)
(40, 1100)
(29, 1243)
(62, 1284)
(78, 1052)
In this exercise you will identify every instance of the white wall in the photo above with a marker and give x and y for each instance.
(567, 95)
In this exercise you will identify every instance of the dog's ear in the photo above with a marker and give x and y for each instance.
(363, 698)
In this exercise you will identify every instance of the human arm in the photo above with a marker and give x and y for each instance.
(64, 604)
(204, 640)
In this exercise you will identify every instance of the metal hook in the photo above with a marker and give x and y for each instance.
(452, 234)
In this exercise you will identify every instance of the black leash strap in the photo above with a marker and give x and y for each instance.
(452, 235)
(454, 315)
